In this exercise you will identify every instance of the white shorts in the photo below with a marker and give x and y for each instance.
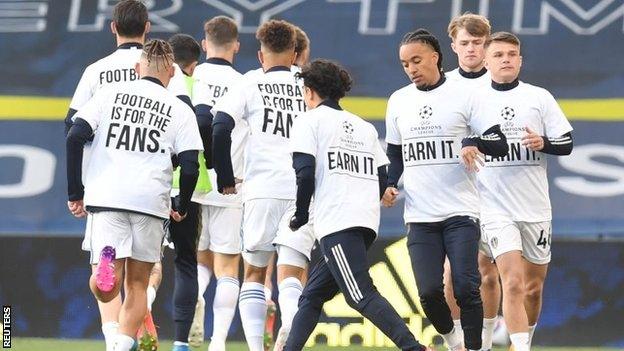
(262, 220)
(133, 235)
(221, 229)
(483, 245)
(301, 241)
(533, 239)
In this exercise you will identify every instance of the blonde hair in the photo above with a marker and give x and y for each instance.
(159, 52)
(475, 25)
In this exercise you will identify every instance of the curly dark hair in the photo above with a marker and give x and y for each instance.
(328, 79)
(277, 36)
(130, 17)
(425, 37)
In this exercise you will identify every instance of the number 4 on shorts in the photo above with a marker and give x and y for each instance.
(543, 240)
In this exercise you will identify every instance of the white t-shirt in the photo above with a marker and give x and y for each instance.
(430, 125)
(470, 83)
(269, 103)
(138, 126)
(213, 81)
(347, 152)
(516, 186)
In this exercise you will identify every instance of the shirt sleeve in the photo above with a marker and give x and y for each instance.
(84, 91)
(555, 122)
(234, 103)
(303, 138)
(479, 124)
(380, 156)
(188, 137)
(92, 110)
(393, 135)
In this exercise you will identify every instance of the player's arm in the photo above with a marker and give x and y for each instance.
(492, 142)
(222, 127)
(560, 146)
(555, 123)
(395, 168)
(382, 173)
(204, 121)
(78, 135)
(189, 172)
(394, 152)
(305, 167)
(84, 92)
(69, 119)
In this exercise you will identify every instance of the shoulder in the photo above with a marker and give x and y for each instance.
(401, 93)
(454, 74)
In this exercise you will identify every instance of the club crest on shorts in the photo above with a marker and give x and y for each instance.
(494, 242)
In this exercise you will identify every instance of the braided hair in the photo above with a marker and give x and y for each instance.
(425, 37)
(159, 51)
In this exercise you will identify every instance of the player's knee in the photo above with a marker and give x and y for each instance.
(429, 293)
(489, 279)
(104, 296)
(467, 295)
(513, 285)
(533, 291)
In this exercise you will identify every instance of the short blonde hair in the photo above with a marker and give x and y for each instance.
(475, 25)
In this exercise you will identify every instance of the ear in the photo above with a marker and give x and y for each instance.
(435, 57)
(191, 68)
(148, 27)
(520, 61)
(236, 47)
(203, 45)
(260, 57)
(453, 47)
(113, 27)
(137, 68)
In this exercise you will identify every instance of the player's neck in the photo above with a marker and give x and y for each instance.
(472, 73)
(227, 55)
(125, 40)
(505, 84)
(438, 80)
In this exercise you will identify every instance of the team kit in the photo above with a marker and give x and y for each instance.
(166, 149)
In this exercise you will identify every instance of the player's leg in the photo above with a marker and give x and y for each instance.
(293, 257)
(461, 240)
(506, 245)
(225, 225)
(291, 265)
(147, 335)
(320, 288)
(109, 311)
(491, 295)
(427, 254)
(450, 297)
(260, 224)
(184, 237)
(204, 273)
(134, 307)
(147, 233)
(346, 254)
(536, 246)
(271, 314)
(154, 283)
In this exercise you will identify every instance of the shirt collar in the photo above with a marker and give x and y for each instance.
(219, 61)
(154, 80)
(277, 69)
(437, 84)
(472, 75)
(331, 104)
(130, 46)
(505, 86)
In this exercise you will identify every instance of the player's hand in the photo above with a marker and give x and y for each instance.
(389, 197)
(532, 140)
(473, 158)
(77, 208)
(176, 216)
(298, 220)
(231, 190)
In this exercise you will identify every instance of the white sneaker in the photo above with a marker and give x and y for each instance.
(216, 345)
(280, 341)
(196, 334)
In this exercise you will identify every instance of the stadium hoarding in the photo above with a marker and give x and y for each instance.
(586, 188)
(50, 296)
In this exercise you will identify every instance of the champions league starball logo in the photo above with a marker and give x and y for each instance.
(347, 127)
(508, 114)
(425, 113)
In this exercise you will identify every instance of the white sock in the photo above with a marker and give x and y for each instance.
(151, 296)
(531, 332)
(123, 342)
(224, 307)
(203, 278)
(457, 323)
(288, 299)
(488, 331)
(268, 294)
(253, 307)
(180, 343)
(453, 340)
(520, 341)
(109, 329)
